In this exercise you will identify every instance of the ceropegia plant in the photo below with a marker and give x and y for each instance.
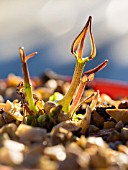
(27, 82)
(77, 50)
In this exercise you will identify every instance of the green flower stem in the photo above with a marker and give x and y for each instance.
(65, 102)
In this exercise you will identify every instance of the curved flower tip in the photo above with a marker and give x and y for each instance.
(22, 54)
(78, 43)
(93, 52)
(24, 58)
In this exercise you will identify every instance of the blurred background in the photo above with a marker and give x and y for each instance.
(50, 26)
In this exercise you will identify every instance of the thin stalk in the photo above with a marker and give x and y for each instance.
(79, 93)
(85, 100)
(27, 82)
